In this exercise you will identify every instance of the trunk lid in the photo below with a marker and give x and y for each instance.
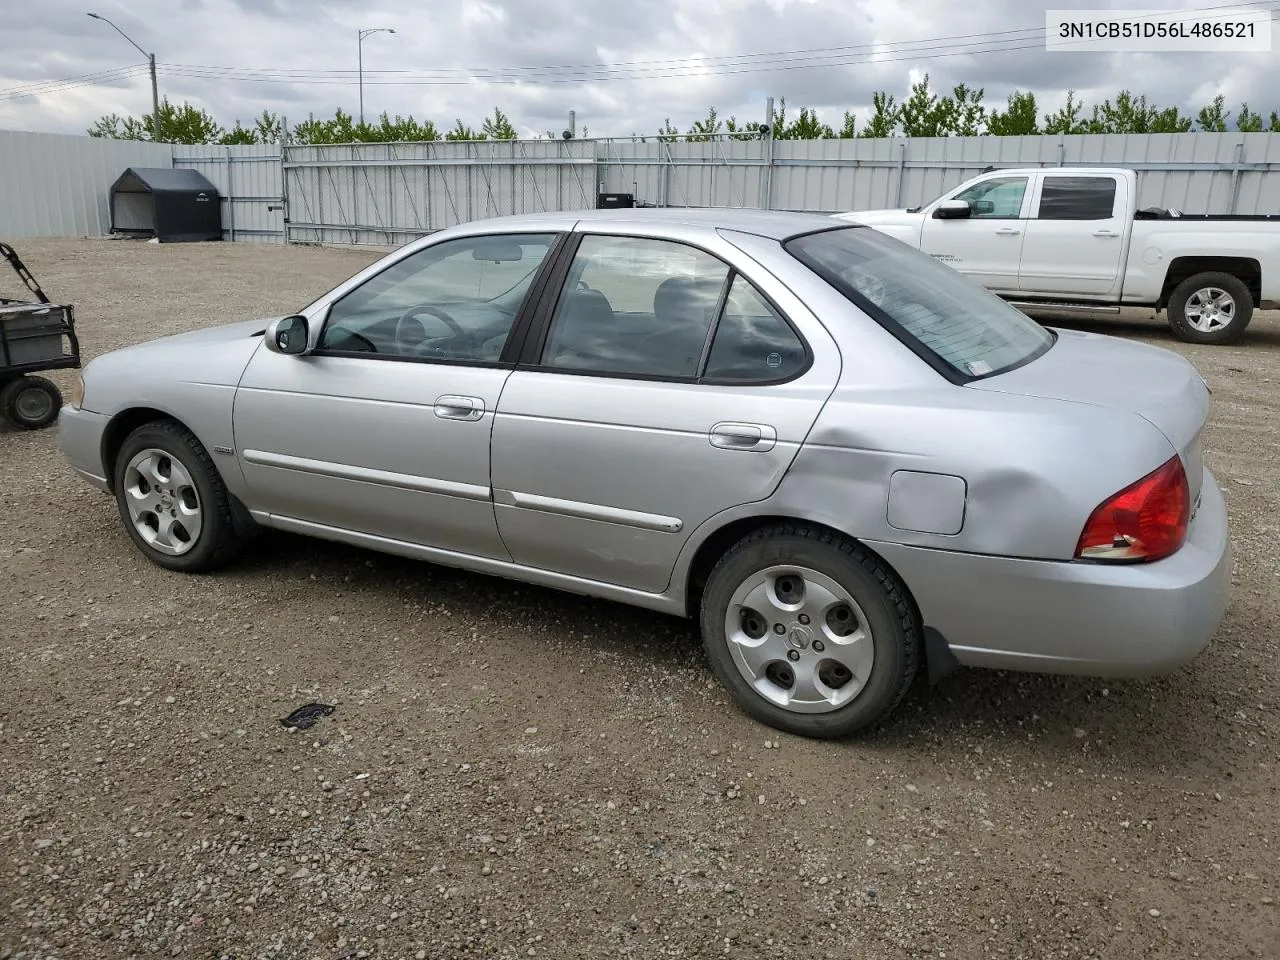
(1156, 384)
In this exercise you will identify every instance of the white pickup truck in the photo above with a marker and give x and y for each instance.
(1073, 238)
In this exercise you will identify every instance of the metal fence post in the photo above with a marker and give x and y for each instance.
(902, 171)
(231, 197)
(1235, 177)
(284, 180)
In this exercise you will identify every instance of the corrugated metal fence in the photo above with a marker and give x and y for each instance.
(386, 194)
(1193, 172)
(250, 185)
(54, 185)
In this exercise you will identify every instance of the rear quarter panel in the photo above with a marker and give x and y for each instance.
(1033, 469)
(1155, 244)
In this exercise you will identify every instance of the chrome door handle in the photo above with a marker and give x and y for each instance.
(459, 408)
(1007, 232)
(755, 437)
(1106, 233)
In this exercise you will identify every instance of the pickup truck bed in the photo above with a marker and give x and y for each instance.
(1072, 237)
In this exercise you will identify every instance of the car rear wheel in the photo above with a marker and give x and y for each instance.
(30, 403)
(809, 632)
(1210, 308)
(172, 500)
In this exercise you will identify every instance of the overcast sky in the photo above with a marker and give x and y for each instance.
(303, 54)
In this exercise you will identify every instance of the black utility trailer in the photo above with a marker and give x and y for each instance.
(31, 340)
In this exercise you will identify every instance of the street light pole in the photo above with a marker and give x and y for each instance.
(151, 62)
(360, 60)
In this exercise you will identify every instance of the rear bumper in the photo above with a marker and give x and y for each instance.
(1077, 618)
(80, 443)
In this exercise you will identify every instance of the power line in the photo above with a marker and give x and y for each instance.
(811, 58)
(974, 44)
(88, 79)
(604, 75)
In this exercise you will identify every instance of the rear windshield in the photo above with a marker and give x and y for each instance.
(951, 320)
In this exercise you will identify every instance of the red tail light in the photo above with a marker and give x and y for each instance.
(1143, 522)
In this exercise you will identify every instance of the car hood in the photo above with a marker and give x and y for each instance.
(1158, 385)
(220, 333)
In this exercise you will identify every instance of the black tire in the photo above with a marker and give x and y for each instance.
(217, 541)
(30, 403)
(890, 615)
(1233, 286)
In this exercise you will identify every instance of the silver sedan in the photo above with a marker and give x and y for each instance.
(851, 464)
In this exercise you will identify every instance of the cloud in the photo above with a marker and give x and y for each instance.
(679, 57)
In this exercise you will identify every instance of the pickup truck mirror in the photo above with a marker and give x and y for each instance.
(952, 210)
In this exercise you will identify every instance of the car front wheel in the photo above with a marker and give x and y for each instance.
(809, 632)
(172, 500)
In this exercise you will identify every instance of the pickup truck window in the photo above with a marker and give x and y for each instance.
(1077, 198)
(954, 324)
(996, 199)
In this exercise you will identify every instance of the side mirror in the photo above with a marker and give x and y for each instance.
(952, 210)
(287, 335)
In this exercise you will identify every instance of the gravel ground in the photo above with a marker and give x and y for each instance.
(516, 772)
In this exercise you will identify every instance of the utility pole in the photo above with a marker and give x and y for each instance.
(360, 60)
(155, 88)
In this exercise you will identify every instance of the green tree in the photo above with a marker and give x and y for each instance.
(886, 115)
(1250, 122)
(667, 133)
(340, 129)
(807, 126)
(1133, 114)
(704, 129)
(848, 127)
(1213, 118)
(1247, 121)
(1019, 119)
(1069, 119)
(115, 127)
(921, 114)
(739, 132)
(498, 127)
(461, 131)
(180, 124)
(963, 113)
(239, 134)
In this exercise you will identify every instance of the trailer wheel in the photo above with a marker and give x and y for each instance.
(30, 403)
(1210, 308)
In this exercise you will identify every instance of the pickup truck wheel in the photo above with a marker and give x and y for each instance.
(1210, 308)
(808, 632)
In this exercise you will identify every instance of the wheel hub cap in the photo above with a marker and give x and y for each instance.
(799, 639)
(162, 501)
(1210, 309)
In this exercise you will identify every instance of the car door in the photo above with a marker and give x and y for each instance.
(1075, 240)
(987, 244)
(382, 429)
(663, 385)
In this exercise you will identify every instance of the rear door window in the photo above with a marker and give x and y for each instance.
(1077, 198)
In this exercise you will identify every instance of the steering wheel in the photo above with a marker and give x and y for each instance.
(405, 339)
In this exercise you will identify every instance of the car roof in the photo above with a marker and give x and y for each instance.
(775, 224)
